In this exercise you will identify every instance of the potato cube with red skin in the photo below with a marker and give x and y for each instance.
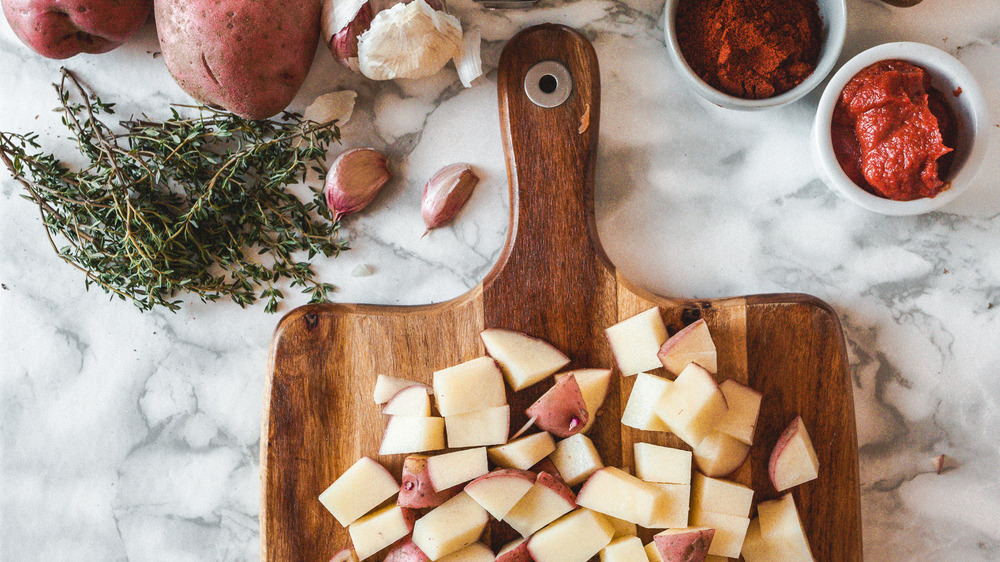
(693, 344)
(689, 544)
(450, 527)
(514, 551)
(576, 458)
(417, 490)
(547, 500)
(345, 555)
(406, 551)
(594, 386)
(386, 386)
(411, 401)
(636, 341)
(623, 549)
(380, 529)
(500, 490)
(575, 537)
(794, 459)
(561, 410)
(361, 488)
(469, 387)
(524, 360)
(652, 554)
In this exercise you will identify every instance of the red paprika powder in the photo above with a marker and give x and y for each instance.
(752, 49)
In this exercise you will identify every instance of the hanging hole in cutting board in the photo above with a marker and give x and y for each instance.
(548, 84)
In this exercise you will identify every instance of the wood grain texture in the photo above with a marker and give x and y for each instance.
(553, 281)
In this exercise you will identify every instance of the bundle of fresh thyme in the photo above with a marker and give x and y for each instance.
(189, 204)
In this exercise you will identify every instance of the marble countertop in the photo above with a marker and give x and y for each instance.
(135, 436)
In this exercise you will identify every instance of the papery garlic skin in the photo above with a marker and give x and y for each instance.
(354, 179)
(410, 40)
(342, 22)
(469, 62)
(446, 193)
(334, 106)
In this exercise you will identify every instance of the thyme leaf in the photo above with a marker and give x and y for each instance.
(191, 204)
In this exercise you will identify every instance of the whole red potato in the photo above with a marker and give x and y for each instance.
(59, 29)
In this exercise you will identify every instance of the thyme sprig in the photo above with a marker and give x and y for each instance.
(191, 204)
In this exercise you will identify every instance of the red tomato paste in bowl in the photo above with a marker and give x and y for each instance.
(893, 133)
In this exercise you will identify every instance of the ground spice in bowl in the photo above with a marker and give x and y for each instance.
(751, 49)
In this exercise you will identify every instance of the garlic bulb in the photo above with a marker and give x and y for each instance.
(342, 22)
(446, 193)
(409, 41)
(354, 179)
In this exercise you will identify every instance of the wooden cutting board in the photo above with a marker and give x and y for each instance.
(555, 282)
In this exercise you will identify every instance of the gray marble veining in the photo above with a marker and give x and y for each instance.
(131, 436)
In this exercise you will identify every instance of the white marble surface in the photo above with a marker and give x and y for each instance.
(132, 436)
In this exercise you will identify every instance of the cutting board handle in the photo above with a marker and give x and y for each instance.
(550, 151)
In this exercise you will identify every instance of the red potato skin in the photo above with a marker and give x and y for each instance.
(247, 57)
(685, 547)
(416, 490)
(561, 410)
(59, 29)
(546, 465)
(556, 484)
(519, 554)
(345, 555)
(406, 551)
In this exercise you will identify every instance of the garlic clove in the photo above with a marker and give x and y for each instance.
(469, 62)
(354, 179)
(334, 106)
(343, 21)
(446, 193)
(408, 41)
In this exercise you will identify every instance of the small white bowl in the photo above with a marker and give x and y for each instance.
(947, 75)
(834, 16)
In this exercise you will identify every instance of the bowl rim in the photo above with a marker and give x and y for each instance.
(833, 44)
(935, 61)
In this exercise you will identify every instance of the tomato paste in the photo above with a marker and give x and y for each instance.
(893, 133)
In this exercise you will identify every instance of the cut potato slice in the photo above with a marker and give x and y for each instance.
(524, 360)
(450, 527)
(693, 344)
(636, 341)
(361, 488)
(575, 537)
(408, 434)
(640, 411)
(469, 387)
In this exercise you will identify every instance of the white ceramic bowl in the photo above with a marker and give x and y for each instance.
(834, 16)
(947, 75)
